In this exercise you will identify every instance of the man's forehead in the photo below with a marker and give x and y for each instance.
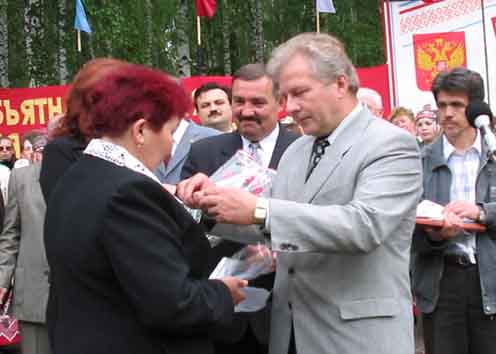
(213, 94)
(447, 96)
(261, 87)
(5, 142)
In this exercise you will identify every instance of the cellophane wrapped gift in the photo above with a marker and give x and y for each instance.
(242, 171)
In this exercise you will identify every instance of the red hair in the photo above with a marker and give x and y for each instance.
(133, 92)
(76, 122)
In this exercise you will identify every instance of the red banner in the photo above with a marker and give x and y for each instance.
(436, 52)
(27, 109)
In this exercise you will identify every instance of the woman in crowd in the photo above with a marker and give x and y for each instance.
(403, 118)
(126, 259)
(72, 133)
(427, 127)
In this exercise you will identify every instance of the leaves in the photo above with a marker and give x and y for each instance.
(148, 32)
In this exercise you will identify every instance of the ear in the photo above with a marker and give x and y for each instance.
(342, 84)
(138, 131)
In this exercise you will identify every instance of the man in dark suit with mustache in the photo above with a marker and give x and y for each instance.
(255, 106)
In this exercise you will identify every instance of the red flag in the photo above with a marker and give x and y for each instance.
(494, 24)
(206, 8)
(436, 52)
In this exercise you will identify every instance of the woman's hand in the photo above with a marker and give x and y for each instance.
(235, 285)
(191, 190)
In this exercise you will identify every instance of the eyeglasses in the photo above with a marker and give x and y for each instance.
(6, 148)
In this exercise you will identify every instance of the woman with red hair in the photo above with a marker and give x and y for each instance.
(73, 130)
(127, 260)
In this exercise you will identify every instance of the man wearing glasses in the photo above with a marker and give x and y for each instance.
(453, 270)
(7, 152)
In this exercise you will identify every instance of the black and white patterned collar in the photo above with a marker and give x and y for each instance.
(117, 155)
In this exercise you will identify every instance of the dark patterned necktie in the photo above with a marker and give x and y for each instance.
(318, 151)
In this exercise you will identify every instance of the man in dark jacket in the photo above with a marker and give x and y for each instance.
(255, 108)
(453, 270)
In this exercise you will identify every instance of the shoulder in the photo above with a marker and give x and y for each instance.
(64, 148)
(201, 131)
(385, 135)
(298, 144)
(217, 141)
(4, 171)
(287, 135)
(29, 171)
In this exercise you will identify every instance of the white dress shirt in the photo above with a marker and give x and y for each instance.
(267, 146)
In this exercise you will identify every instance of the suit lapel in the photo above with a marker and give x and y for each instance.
(333, 155)
(230, 148)
(282, 143)
(182, 149)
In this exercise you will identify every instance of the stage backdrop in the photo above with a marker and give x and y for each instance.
(26, 109)
(426, 37)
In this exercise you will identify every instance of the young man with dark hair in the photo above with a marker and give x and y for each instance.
(453, 270)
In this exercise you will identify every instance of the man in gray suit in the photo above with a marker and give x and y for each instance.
(185, 135)
(341, 214)
(22, 255)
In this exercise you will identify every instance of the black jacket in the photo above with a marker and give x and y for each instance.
(127, 266)
(58, 156)
(206, 156)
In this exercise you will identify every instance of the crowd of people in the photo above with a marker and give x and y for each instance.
(104, 254)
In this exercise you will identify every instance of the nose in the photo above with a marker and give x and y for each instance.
(291, 105)
(247, 110)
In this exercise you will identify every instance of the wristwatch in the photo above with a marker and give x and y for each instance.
(482, 218)
(261, 210)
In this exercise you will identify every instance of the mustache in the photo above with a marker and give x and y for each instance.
(214, 113)
(255, 119)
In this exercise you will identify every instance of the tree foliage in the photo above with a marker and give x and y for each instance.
(42, 46)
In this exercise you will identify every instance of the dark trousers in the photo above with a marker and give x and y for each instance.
(458, 325)
(247, 345)
(292, 344)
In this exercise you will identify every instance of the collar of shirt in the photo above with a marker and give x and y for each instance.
(345, 122)
(178, 134)
(117, 155)
(267, 145)
(448, 149)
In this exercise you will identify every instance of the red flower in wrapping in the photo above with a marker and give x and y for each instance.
(206, 8)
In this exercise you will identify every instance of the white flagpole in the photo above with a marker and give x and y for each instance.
(317, 20)
(79, 41)
(198, 30)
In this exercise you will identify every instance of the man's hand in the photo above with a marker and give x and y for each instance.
(3, 292)
(235, 285)
(463, 209)
(190, 190)
(452, 225)
(228, 205)
(171, 188)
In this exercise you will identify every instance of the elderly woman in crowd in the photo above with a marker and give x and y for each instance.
(72, 133)
(404, 118)
(427, 127)
(127, 260)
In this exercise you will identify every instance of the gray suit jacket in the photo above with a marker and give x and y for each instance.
(343, 241)
(22, 250)
(172, 173)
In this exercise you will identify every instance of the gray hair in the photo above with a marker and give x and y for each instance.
(364, 92)
(326, 54)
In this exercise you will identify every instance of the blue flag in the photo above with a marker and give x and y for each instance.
(325, 6)
(80, 21)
